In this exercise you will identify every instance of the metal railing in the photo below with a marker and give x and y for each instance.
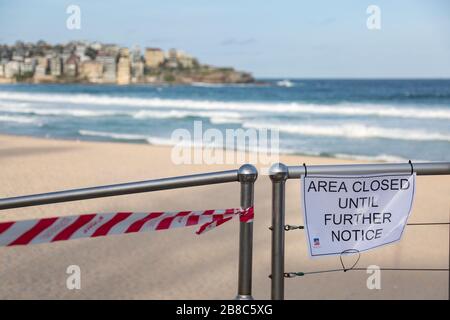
(246, 175)
(279, 173)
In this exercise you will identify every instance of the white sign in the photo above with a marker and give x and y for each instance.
(355, 213)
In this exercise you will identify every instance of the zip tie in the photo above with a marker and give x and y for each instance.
(306, 170)
(412, 168)
(289, 227)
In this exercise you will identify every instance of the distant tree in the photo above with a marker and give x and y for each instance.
(41, 43)
(169, 78)
(196, 64)
(91, 53)
(6, 54)
(58, 48)
(24, 76)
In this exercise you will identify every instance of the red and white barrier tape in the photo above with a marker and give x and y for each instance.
(102, 224)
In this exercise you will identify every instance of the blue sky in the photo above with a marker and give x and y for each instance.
(287, 39)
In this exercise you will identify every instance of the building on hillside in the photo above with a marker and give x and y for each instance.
(123, 71)
(172, 59)
(177, 59)
(19, 55)
(111, 49)
(28, 66)
(12, 69)
(124, 52)
(71, 66)
(154, 57)
(135, 54)
(92, 71)
(80, 51)
(67, 51)
(5, 56)
(55, 63)
(96, 45)
(41, 68)
(109, 67)
(137, 71)
(186, 61)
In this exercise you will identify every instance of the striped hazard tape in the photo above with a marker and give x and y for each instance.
(103, 224)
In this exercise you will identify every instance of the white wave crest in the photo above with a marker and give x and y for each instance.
(216, 117)
(381, 157)
(285, 83)
(348, 109)
(19, 119)
(352, 131)
(61, 112)
(135, 137)
(112, 135)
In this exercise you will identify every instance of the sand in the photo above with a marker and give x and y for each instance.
(177, 264)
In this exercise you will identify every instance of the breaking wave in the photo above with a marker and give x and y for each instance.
(352, 131)
(216, 117)
(19, 119)
(347, 109)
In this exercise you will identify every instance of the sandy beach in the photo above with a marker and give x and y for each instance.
(178, 264)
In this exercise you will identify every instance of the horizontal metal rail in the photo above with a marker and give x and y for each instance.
(423, 168)
(280, 173)
(120, 189)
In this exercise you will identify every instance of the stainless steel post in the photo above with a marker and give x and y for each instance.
(278, 174)
(247, 175)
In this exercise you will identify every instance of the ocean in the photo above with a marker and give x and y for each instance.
(386, 120)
